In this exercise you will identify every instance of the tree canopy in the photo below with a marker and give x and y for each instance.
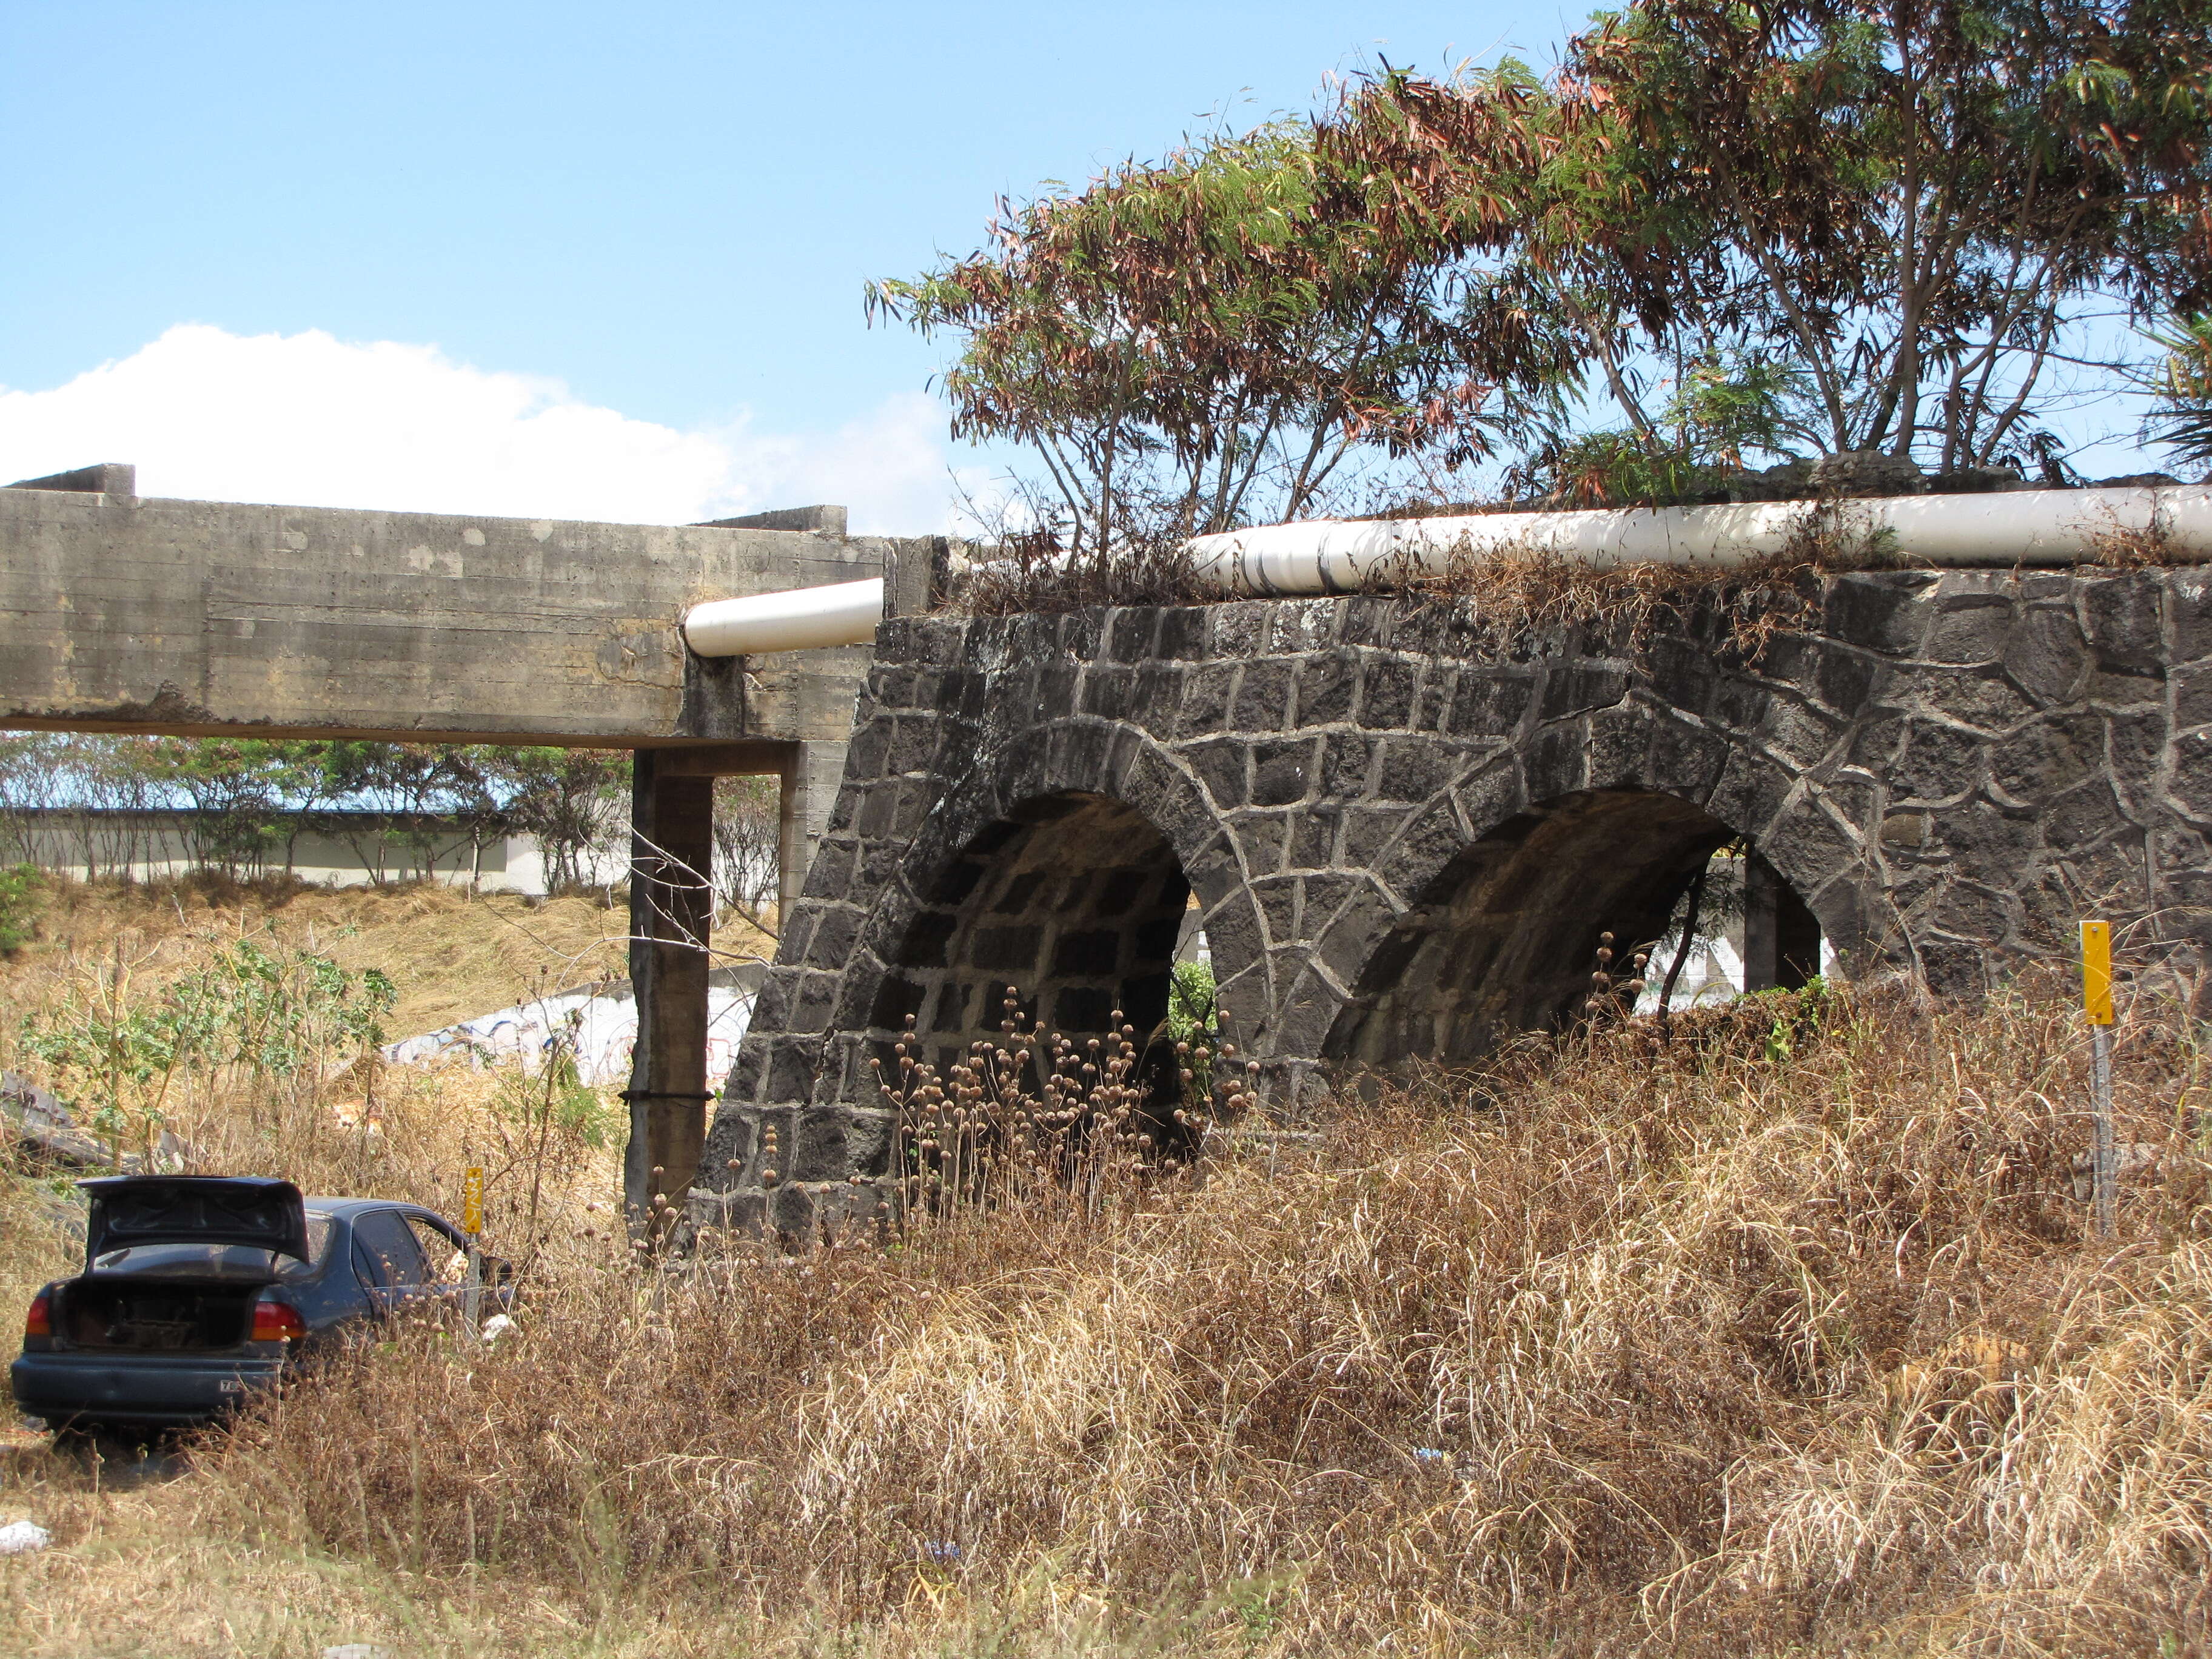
(1917, 227)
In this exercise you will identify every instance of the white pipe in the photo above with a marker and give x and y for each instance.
(2026, 526)
(1335, 556)
(797, 619)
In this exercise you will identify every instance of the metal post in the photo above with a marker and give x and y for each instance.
(473, 1225)
(2107, 1173)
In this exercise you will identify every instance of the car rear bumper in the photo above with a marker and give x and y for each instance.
(151, 1390)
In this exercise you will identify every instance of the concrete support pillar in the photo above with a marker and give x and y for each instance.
(670, 911)
(1781, 937)
(811, 774)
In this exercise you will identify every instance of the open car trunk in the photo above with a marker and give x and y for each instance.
(173, 1264)
(160, 1315)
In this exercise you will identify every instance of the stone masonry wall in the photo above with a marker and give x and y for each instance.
(1405, 828)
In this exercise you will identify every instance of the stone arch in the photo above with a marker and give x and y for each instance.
(1501, 929)
(1073, 900)
(1063, 865)
(1502, 937)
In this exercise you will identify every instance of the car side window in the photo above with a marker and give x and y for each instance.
(448, 1261)
(393, 1254)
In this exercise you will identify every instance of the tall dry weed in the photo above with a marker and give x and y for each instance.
(1774, 1329)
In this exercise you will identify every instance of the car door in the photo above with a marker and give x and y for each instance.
(390, 1259)
(445, 1256)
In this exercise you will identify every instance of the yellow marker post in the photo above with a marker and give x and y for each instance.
(472, 1185)
(2097, 1003)
(2097, 971)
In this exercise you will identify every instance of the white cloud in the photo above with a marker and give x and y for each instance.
(312, 421)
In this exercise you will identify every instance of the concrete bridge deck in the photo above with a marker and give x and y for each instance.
(211, 618)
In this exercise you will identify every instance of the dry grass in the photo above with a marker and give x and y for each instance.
(35, 1242)
(1779, 1331)
(1516, 590)
(1029, 573)
(2150, 546)
(1511, 590)
(451, 956)
(168, 1569)
(1508, 590)
(1773, 1330)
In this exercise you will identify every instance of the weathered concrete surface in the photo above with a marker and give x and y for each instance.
(206, 618)
(1406, 828)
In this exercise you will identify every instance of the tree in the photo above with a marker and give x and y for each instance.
(1187, 344)
(111, 776)
(430, 795)
(748, 845)
(1925, 227)
(28, 764)
(246, 795)
(237, 788)
(1923, 222)
(569, 798)
(2182, 385)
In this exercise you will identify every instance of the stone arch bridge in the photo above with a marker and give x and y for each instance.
(1404, 830)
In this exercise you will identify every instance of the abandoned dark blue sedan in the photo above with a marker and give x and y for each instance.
(200, 1291)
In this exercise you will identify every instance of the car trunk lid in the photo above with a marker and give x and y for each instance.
(129, 1211)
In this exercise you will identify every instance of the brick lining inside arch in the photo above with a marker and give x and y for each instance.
(1506, 938)
(1076, 899)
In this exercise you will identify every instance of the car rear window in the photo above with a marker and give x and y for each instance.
(218, 1261)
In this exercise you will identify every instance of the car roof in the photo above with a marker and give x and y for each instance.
(347, 1208)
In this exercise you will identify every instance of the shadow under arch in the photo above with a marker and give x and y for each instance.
(1074, 898)
(1503, 938)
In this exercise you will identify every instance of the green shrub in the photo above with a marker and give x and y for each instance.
(1190, 1001)
(253, 1013)
(21, 897)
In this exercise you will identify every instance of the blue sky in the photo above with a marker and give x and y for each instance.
(661, 215)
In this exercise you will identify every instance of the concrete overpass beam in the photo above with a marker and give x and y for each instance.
(127, 613)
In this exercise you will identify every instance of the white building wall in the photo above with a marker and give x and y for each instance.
(160, 845)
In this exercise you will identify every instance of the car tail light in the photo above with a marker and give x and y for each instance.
(40, 1321)
(277, 1321)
